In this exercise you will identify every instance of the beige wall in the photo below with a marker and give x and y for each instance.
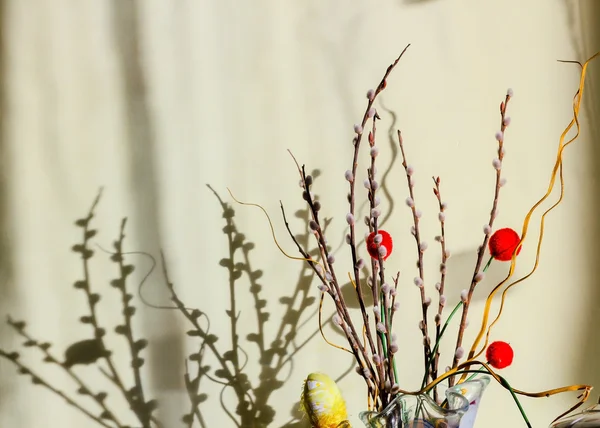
(153, 99)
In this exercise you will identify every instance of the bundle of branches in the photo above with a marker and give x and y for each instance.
(373, 343)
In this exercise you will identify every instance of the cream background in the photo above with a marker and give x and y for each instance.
(154, 99)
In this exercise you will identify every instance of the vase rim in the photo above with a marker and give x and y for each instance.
(457, 393)
(472, 387)
(583, 418)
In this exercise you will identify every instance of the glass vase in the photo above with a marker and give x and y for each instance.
(421, 411)
(589, 418)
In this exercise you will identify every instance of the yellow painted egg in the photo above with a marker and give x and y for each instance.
(323, 403)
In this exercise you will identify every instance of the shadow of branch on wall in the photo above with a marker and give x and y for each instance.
(214, 361)
(94, 350)
(274, 355)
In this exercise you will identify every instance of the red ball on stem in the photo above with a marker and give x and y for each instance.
(373, 247)
(503, 243)
(499, 354)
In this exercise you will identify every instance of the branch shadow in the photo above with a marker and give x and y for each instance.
(167, 355)
(274, 355)
(93, 350)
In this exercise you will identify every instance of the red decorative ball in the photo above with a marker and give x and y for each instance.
(386, 242)
(503, 243)
(499, 354)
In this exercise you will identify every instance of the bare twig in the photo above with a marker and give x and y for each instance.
(330, 282)
(372, 96)
(328, 277)
(377, 266)
(441, 285)
(421, 246)
(477, 274)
